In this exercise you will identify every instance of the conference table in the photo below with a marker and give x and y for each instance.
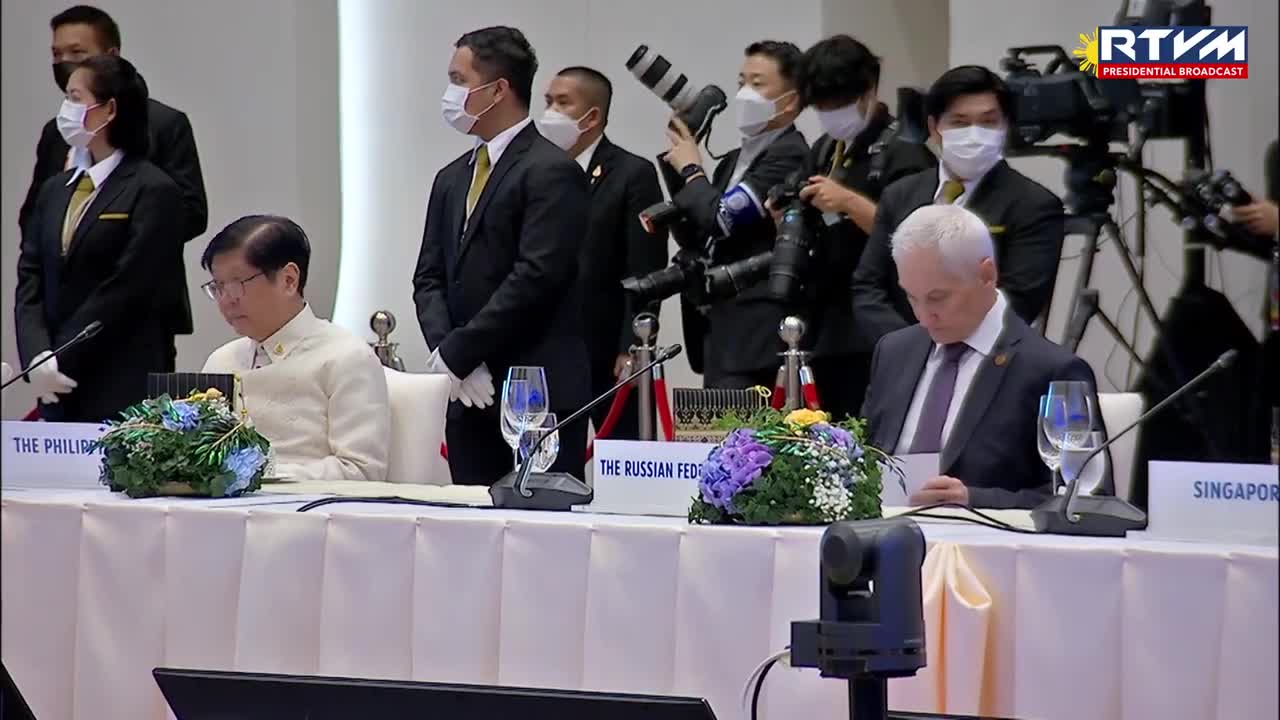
(99, 589)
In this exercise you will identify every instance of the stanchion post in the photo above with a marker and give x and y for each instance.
(645, 326)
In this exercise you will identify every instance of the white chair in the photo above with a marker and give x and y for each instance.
(418, 405)
(1119, 410)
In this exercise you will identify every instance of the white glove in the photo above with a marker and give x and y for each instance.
(48, 382)
(458, 390)
(479, 386)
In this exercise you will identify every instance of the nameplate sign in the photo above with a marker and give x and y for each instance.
(50, 455)
(645, 478)
(1218, 502)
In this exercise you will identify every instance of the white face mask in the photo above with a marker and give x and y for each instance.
(842, 123)
(969, 152)
(754, 110)
(453, 107)
(560, 129)
(71, 124)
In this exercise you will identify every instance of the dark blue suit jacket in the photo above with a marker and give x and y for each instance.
(992, 445)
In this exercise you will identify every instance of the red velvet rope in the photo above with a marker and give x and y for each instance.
(664, 405)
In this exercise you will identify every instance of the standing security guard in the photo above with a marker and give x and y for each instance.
(859, 154)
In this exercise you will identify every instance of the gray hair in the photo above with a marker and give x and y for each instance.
(959, 237)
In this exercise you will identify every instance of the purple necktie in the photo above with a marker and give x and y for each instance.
(933, 415)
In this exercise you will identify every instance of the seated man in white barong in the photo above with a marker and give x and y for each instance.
(315, 390)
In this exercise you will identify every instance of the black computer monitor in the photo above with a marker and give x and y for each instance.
(210, 695)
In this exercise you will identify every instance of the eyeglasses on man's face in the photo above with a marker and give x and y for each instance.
(230, 290)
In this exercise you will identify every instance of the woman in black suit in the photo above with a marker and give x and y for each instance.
(100, 240)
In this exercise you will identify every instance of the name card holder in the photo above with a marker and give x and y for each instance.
(1213, 502)
(50, 455)
(634, 477)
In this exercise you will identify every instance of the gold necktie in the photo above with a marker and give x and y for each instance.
(951, 190)
(837, 156)
(480, 177)
(83, 190)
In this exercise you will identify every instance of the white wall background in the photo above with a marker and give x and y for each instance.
(260, 81)
(257, 80)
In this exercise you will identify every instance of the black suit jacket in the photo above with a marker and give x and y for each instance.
(122, 244)
(173, 150)
(831, 318)
(742, 332)
(617, 247)
(506, 290)
(1026, 223)
(992, 445)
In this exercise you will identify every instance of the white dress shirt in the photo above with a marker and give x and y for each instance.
(980, 343)
(584, 157)
(319, 394)
(944, 175)
(498, 144)
(98, 172)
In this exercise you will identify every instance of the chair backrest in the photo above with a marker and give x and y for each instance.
(418, 406)
(1118, 411)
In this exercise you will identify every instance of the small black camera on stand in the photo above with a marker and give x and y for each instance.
(871, 612)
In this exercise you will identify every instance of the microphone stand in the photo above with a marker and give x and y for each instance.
(522, 490)
(89, 331)
(1108, 515)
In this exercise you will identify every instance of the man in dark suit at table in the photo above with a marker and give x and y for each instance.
(497, 282)
(970, 111)
(79, 33)
(617, 247)
(966, 381)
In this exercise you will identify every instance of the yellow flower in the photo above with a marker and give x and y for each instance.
(213, 393)
(805, 417)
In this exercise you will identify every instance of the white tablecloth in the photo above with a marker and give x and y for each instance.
(98, 590)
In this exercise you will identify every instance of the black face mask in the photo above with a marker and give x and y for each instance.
(62, 73)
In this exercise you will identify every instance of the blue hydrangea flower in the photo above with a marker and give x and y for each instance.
(243, 463)
(182, 416)
(732, 466)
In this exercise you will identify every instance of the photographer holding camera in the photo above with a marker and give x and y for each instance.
(741, 341)
(859, 154)
(970, 112)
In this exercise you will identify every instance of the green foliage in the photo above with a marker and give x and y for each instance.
(167, 447)
(810, 479)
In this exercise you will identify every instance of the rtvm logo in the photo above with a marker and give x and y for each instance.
(1173, 53)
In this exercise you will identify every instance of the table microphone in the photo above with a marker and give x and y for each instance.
(522, 489)
(1108, 515)
(89, 331)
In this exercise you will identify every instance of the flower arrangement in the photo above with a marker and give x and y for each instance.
(195, 446)
(798, 468)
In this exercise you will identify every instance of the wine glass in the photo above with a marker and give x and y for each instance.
(548, 450)
(1081, 465)
(515, 395)
(536, 402)
(1076, 419)
(1050, 454)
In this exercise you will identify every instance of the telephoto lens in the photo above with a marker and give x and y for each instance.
(656, 73)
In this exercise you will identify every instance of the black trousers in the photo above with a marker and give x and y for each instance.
(478, 455)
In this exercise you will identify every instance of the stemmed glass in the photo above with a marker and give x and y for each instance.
(550, 448)
(524, 405)
(1087, 472)
(1052, 415)
(1075, 400)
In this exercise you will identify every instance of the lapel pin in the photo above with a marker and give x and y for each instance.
(279, 349)
(1001, 359)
